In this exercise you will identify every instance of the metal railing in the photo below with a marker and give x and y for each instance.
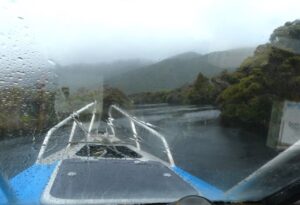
(133, 122)
(65, 121)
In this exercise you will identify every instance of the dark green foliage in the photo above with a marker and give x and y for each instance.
(179, 96)
(150, 97)
(271, 74)
(202, 91)
(114, 96)
(176, 96)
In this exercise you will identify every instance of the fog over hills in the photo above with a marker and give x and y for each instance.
(166, 74)
(92, 75)
(139, 75)
(229, 58)
(178, 70)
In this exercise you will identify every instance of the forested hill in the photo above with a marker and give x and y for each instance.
(229, 59)
(178, 70)
(167, 74)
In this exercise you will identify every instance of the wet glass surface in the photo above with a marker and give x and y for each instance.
(198, 85)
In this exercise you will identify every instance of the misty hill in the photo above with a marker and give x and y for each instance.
(186, 55)
(167, 74)
(178, 70)
(229, 59)
(92, 75)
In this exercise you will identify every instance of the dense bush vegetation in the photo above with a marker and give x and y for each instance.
(25, 111)
(272, 74)
(150, 97)
(114, 96)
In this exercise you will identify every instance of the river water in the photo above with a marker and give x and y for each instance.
(220, 155)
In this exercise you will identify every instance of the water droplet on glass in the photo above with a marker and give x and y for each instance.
(51, 62)
(71, 174)
(167, 174)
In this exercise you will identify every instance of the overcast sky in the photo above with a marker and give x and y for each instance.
(93, 31)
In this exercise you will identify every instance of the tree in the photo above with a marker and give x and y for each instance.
(272, 74)
(202, 91)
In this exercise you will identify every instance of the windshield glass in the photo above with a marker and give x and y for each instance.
(207, 90)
